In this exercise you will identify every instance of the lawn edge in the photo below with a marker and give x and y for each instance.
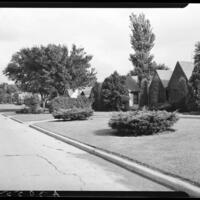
(154, 175)
(17, 120)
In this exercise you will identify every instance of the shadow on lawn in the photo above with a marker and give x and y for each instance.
(62, 120)
(111, 132)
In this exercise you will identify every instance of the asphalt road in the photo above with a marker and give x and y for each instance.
(30, 160)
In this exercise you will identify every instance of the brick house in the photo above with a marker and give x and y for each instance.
(158, 92)
(166, 86)
(181, 75)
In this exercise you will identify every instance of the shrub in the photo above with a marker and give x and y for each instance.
(32, 101)
(142, 122)
(73, 113)
(134, 107)
(163, 106)
(63, 102)
(32, 104)
(67, 108)
(29, 110)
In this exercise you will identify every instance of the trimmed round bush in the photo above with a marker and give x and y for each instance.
(142, 122)
(73, 114)
(63, 102)
(67, 108)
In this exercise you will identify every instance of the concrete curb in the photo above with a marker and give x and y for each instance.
(166, 180)
(17, 120)
(189, 116)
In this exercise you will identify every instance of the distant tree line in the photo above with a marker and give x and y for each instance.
(8, 93)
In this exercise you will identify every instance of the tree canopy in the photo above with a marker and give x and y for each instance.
(51, 68)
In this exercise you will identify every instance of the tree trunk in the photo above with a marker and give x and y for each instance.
(43, 103)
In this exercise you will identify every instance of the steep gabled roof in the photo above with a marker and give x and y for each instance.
(164, 76)
(187, 68)
(131, 83)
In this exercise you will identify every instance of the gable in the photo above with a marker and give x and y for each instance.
(177, 73)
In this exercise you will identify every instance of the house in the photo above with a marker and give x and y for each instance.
(158, 92)
(86, 91)
(181, 75)
(133, 88)
(75, 93)
(166, 86)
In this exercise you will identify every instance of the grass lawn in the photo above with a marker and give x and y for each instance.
(9, 113)
(175, 152)
(33, 117)
(10, 107)
(40, 117)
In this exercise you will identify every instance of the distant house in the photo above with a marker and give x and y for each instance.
(86, 91)
(133, 88)
(75, 93)
(23, 95)
(181, 73)
(158, 92)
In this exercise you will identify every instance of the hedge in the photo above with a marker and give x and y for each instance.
(63, 102)
(67, 108)
(73, 114)
(142, 122)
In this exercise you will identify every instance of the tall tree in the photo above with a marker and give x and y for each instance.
(114, 93)
(195, 78)
(142, 41)
(95, 96)
(49, 69)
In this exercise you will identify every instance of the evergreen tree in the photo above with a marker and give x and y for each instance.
(195, 78)
(95, 96)
(114, 93)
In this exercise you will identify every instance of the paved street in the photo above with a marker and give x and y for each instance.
(30, 160)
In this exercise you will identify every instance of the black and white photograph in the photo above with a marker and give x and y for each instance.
(100, 100)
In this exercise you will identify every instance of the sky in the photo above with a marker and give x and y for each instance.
(102, 32)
